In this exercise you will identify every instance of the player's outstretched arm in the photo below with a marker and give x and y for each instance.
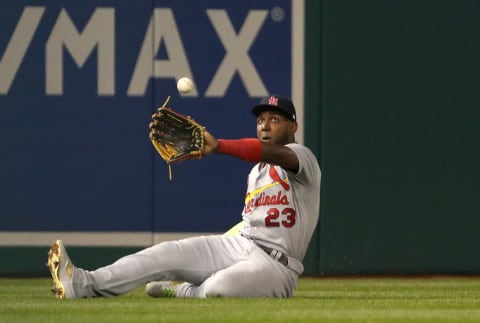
(279, 155)
(253, 150)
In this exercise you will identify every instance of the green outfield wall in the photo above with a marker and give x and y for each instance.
(392, 103)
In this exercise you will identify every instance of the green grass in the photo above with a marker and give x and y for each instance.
(435, 299)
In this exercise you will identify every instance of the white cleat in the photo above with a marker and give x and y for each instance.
(61, 269)
(161, 289)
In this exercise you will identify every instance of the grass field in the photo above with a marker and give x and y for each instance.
(386, 299)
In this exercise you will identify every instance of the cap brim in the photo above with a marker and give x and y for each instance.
(266, 107)
(260, 108)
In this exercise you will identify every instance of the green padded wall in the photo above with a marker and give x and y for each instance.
(313, 108)
(398, 94)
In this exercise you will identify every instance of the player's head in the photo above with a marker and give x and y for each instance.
(276, 119)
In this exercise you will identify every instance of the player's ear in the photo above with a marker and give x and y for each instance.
(293, 126)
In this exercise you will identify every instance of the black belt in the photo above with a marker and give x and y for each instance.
(274, 255)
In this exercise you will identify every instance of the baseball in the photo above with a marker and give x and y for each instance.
(184, 85)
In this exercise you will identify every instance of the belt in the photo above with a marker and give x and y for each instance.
(275, 254)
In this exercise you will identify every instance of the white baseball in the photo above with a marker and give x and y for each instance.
(185, 85)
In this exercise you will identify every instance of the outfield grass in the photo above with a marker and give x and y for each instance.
(435, 299)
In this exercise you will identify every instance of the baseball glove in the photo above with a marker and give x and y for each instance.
(176, 136)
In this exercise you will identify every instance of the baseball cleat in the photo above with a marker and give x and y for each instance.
(161, 289)
(61, 269)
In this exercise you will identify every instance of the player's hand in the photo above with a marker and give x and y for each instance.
(211, 143)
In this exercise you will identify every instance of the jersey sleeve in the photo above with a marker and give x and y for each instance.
(308, 169)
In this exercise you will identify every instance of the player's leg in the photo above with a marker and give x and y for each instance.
(256, 276)
(168, 288)
(193, 260)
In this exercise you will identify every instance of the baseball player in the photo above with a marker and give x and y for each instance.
(265, 260)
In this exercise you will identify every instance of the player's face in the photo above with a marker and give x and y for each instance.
(275, 128)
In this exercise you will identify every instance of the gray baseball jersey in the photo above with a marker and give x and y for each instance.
(281, 208)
